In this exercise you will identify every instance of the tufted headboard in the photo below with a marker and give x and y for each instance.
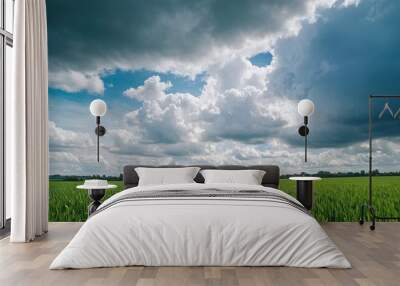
(271, 177)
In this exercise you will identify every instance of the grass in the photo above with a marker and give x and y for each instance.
(67, 203)
(335, 199)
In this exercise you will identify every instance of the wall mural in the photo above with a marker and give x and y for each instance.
(218, 82)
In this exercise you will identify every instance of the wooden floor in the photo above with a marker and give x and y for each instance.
(375, 257)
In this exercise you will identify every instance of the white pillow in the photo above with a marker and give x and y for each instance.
(165, 176)
(248, 177)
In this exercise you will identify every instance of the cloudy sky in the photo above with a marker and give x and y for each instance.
(218, 82)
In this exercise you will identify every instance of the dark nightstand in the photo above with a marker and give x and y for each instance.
(96, 191)
(305, 190)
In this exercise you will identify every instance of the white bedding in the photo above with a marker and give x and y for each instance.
(200, 231)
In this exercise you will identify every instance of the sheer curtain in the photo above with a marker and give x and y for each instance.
(27, 122)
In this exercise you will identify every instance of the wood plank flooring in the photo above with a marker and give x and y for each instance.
(375, 257)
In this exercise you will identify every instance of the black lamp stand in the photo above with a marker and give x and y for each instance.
(303, 131)
(100, 131)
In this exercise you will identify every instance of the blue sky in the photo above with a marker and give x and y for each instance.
(207, 82)
(261, 59)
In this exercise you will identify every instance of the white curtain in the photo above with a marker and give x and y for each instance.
(27, 122)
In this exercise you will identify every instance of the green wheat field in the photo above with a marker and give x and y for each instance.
(335, 199)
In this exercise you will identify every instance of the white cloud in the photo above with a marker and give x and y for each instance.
(168, 119)
(183, 37)
(347, 3)
(239, 104)
(152, 89)
(234, 105)
(64, 157)
(61, 138)
(237, 72)
(126, 143)
(80, 162)
(74, 81)
(65, 163)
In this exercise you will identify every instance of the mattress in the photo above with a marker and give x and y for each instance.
(201, 225)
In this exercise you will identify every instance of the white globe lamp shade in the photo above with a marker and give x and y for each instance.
(98, 107)
(305, 107)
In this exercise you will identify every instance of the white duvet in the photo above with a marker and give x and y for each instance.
(199, 231)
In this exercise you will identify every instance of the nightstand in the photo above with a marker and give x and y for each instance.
(96, 191)
(304, 189)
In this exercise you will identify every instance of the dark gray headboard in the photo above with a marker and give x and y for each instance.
(271, 177)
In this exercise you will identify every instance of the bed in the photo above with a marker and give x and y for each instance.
(197, 224)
